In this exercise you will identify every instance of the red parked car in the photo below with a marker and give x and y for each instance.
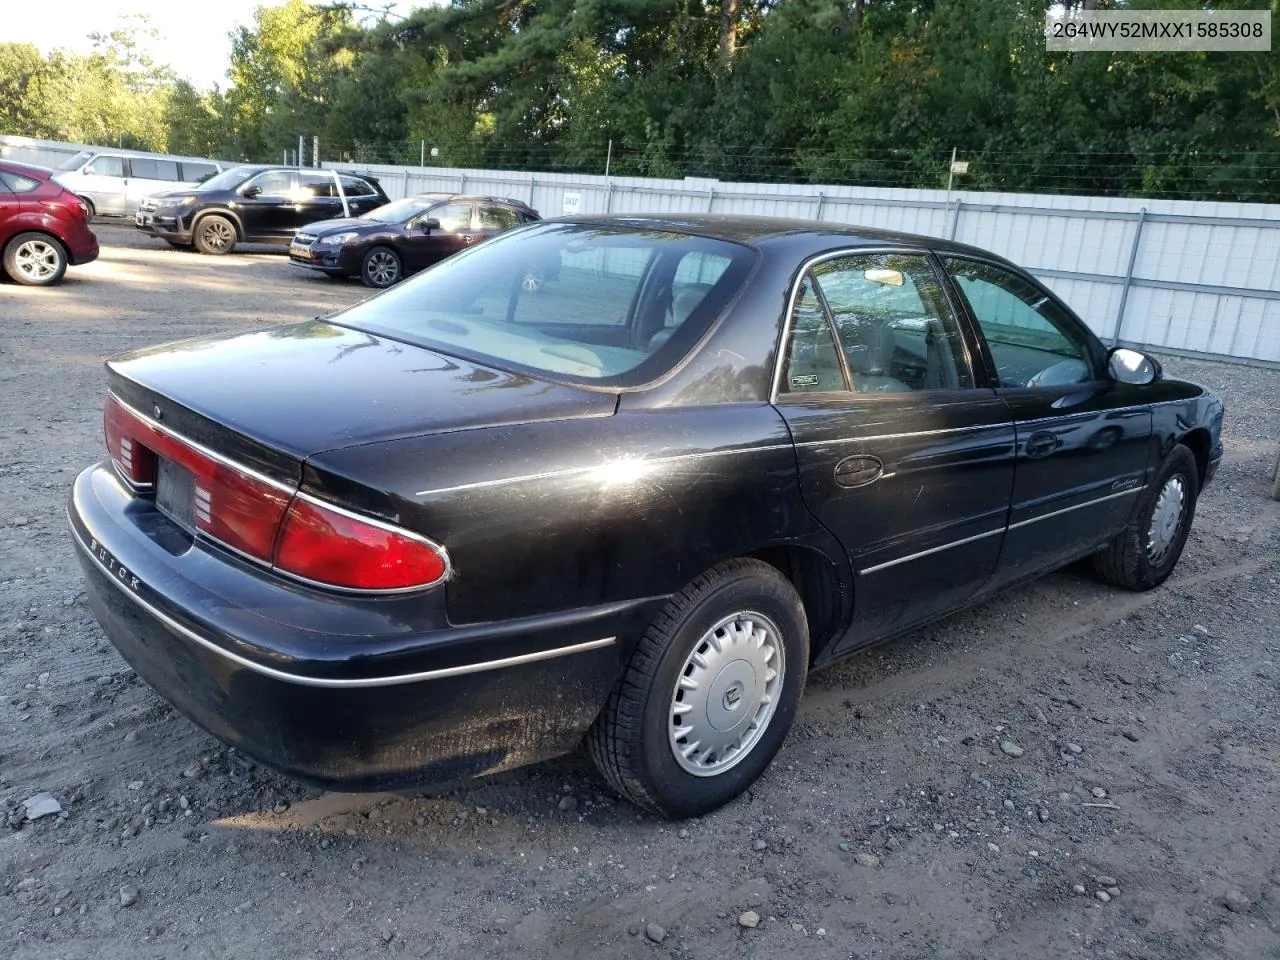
(42, 226)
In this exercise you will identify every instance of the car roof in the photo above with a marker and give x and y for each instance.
(475, 197)
(774, 232)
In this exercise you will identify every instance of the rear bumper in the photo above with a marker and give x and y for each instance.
(354, 710)
(82, 245)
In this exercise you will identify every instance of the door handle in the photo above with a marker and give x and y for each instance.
(1041, 444)
(466, 238)
(858, 471)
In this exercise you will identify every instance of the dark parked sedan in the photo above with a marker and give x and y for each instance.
(385, 245)
(254, 204)
(466, 523)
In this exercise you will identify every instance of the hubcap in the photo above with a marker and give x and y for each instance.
(37, 260)
(1166, 519)
(727, 693)
(383, 269)
(217, 234)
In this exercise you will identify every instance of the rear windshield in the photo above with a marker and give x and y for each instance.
(599, 304)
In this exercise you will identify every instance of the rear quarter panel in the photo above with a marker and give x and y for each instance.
(552, 516)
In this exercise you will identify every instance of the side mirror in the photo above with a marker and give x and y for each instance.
(431, 223)
(1130, 366)
(250, 192)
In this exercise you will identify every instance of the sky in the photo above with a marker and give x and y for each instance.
(192, 37)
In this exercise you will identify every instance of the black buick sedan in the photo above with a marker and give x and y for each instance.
(385, 245)
(470, 522)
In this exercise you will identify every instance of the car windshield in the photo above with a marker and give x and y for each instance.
(76, 162)
(605, 304)
(400, 211)
(228, 179)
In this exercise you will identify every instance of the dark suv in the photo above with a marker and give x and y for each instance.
(254, 204)
(384, 245)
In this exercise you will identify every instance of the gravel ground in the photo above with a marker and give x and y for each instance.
(1066, 770)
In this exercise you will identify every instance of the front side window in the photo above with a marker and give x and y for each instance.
(891, 322)
(453, 217)
(106, 167)
(577, 302)
(1032, 340)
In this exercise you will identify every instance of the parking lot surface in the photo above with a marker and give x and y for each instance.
(1067, 770)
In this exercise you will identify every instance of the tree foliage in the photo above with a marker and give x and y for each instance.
(869, 91)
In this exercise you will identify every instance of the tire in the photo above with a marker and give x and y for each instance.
(214, 234)
(381, 267)
(1144, 554)
(93, 211)
(716, 629)
(35, 259)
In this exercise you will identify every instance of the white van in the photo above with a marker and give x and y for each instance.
(114, 182)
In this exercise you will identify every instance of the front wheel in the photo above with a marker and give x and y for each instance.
(1144, 554)
(35, 259)
(709, 693)
(215, 235)
(380, 268)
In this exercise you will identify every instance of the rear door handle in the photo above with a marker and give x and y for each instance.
(467, 238)
(859, 471)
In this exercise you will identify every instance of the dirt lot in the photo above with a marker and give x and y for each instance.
(892, 824)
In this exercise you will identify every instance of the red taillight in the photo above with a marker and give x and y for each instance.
(245, 511)
(330, 547)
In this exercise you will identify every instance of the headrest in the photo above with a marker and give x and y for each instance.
(869, 347)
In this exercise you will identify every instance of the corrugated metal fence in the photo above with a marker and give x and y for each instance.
(1182, 276)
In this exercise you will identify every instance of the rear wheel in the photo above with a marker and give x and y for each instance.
(709, 693)
(35, 259)
(1147, 550)
(215, 235)
(89, 207)
(381, 267)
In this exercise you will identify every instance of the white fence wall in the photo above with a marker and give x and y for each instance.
(1183, 276)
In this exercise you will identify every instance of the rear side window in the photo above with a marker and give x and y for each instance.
(355, 187)
(18, 183)
(493, 217)
(197, 172)
(149, 168)
(317, 185)
(106, 167)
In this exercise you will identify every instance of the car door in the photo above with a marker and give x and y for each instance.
(361, 197)
(266, 205)
(423, 248)
(316, 199)
(1083, 441)
(492, 219)
(148, 175)
(104, 183)
(901, 454)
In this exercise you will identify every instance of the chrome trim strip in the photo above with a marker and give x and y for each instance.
(201, 449)
(992, 533)
(1003, 425)
(572, 471)
(345, 684)
(1087, 503)
(931, 550)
